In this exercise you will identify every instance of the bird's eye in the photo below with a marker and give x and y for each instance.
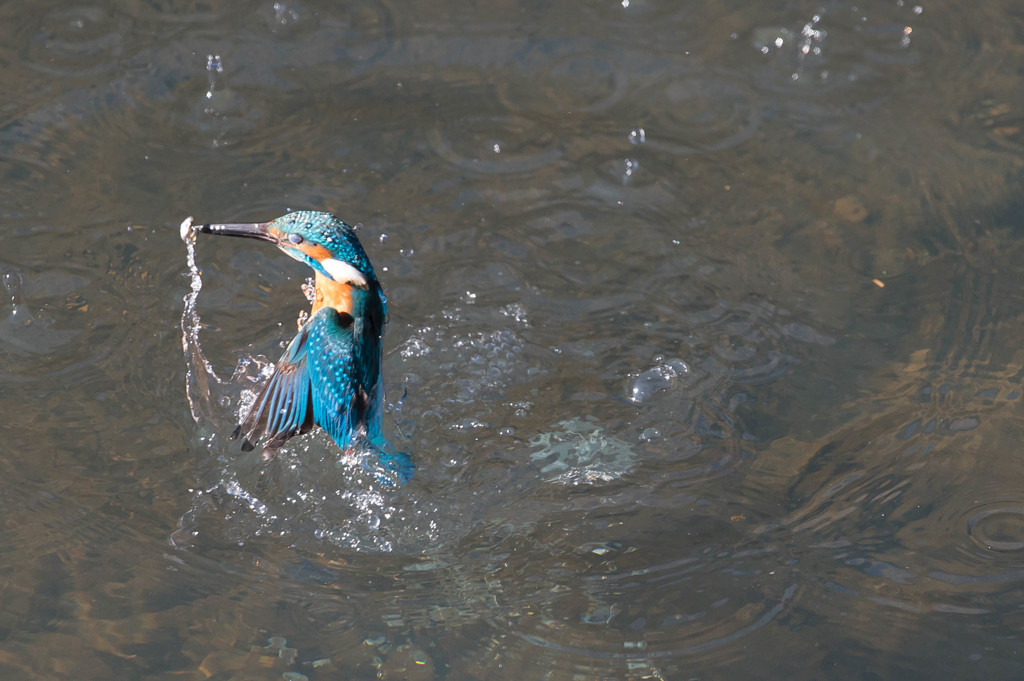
(294, 239)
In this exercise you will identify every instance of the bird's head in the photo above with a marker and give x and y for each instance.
(320, 240)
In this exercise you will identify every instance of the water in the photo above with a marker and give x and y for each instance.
(703, 336)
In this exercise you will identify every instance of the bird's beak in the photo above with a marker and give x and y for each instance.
(253, 230)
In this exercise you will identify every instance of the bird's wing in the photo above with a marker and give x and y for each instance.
(376, 318)
(283, 407)
(346, 391)
(338, 396)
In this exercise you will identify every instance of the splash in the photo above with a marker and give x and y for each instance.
(305, 489)
(198, 370)
(203, 387)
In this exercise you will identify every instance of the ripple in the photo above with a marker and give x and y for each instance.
(831, 52)
(364, 29)
(699, 114)
(562, 593)
(647, 23)
(24, 179)
(984, 540)
(611, 605)
(748, 340)
(911, 509)
(24, 333)
(566, 77)
(495, 144)
(692, 413)
(28, 330)
(998, 529)
(74, 42)
(725, 627)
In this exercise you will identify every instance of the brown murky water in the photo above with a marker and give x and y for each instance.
(704, 337)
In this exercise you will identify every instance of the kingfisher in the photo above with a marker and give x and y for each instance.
(330, 373)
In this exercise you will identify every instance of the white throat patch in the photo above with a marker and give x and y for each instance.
(343, 273)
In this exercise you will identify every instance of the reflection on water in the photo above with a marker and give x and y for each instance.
(704, 339)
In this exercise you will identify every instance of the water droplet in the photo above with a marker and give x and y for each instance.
(13, 282)
(284, 14)
(637, 136)
(515, 311)
(414, 347)
(650, 434)
(220, 100)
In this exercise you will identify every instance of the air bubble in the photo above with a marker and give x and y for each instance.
(650, 434)
(660, 377)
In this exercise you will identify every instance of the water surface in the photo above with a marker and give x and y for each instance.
(704, 337)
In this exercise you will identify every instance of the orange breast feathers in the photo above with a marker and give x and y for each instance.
(330, 293)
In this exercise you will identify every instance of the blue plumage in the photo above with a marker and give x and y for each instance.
(340, 391)
(323, 229)
(330, 374)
